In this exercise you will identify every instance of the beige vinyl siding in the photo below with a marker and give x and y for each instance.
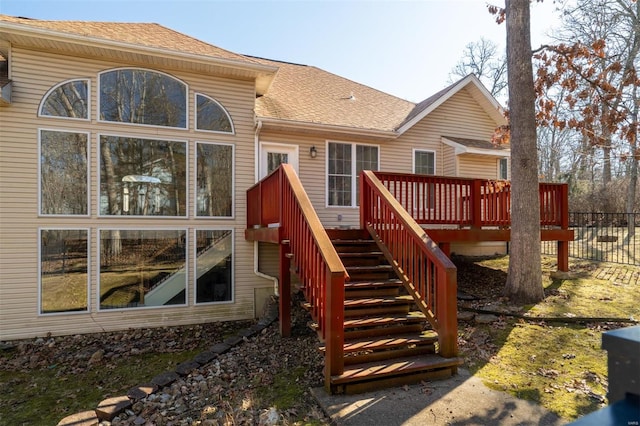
(460, 116)
(34, 73)
(477, 166)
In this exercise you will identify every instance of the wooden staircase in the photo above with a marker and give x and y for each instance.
(387, 340)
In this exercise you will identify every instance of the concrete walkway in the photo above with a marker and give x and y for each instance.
(460, 400)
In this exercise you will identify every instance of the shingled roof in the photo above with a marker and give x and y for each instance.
(145, 34)
(298, 95)
(309, 94)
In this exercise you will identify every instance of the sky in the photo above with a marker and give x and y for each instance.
(405, 48)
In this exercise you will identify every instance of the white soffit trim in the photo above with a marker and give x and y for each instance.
(462, 149)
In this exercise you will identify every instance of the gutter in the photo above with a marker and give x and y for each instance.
(256, 256)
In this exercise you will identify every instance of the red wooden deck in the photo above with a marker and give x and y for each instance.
(413, 219)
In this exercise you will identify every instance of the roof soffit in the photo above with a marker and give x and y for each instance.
(461, 149)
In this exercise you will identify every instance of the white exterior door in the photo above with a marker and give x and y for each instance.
(274, 154)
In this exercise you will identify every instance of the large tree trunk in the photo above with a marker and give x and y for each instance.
(524, 279)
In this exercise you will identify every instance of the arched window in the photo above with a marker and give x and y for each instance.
(141, 96)
(211, 115)
(67, 99)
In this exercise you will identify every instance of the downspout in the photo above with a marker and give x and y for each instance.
(256, 257)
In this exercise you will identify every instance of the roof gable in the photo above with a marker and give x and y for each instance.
(478, 91)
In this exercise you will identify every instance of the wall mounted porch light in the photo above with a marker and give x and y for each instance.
(313, 152)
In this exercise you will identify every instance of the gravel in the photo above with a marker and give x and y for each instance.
(238, 387)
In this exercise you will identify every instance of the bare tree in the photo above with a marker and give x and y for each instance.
(483, 59)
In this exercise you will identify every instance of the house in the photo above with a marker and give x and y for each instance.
(127, 150)
(150, 179)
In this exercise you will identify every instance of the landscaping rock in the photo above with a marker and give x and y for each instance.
(164, 379)
(220, 348)
(233, 340)
(86, 418)
(485, 318)
(142, 391)
(184, 368)
(111, 407)
(205, 357)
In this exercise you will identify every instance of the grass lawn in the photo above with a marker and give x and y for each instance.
(556, 364)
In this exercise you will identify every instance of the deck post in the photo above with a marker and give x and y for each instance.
(563, 256)
(563, 246)
(447, 313)
(476, 204)
(334, 322)
(284, 289)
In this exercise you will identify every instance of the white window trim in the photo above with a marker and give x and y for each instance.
(233, 266)
(88, 148)
(499, 168)
(62, 83)
(413, 170)
(233, 181)
(413, 160)
(145, 137)
(354, 175)
(195, 115)
(143, 308)
(89, 272)
(155, 126)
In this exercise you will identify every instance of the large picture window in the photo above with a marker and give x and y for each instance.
(214, 265)
(215, 180)
(344, 164)
(63, 173)
(68, 99)
(140, 96)
(142, 177)
(64, 270)
(142, 268)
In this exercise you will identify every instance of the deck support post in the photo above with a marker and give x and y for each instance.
(563, 256)
(334, 326)
(284, 289)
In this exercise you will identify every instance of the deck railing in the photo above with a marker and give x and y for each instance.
(281, 199)
(442, 200)
(427, 273)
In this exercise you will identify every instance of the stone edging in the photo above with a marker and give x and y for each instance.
(111, 407)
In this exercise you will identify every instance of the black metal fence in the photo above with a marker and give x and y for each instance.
(605, 237)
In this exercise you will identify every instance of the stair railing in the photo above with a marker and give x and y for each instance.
(427, 273)
(281, 199)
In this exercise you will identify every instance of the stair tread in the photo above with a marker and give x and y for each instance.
(394, 367)
(372, 283)
(368, 268)
(373, 301)
(390, 341)
(415, 316)
(360, 254)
